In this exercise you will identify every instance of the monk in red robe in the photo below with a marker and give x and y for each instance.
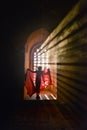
(39, 74)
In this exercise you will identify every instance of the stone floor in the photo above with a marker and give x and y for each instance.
(44, 96)
(41, 116)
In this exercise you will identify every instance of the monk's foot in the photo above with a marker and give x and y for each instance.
(37, 97)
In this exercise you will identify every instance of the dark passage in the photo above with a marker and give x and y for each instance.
(43, 116)
(64, 49)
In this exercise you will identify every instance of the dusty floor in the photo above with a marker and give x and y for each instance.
(42, 117)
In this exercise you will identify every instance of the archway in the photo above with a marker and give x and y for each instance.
(33, 60)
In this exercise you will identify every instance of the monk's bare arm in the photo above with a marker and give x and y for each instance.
(31, 70)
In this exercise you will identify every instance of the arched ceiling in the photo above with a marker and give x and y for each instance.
(33, 42)
(20, 19)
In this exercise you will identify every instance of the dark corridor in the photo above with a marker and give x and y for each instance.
(63, 50)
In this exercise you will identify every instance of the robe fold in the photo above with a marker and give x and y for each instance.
(30, 81)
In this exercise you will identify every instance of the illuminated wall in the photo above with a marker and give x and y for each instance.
(66, 49)
(36, 37)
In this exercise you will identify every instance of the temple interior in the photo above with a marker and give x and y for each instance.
(61, 49)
